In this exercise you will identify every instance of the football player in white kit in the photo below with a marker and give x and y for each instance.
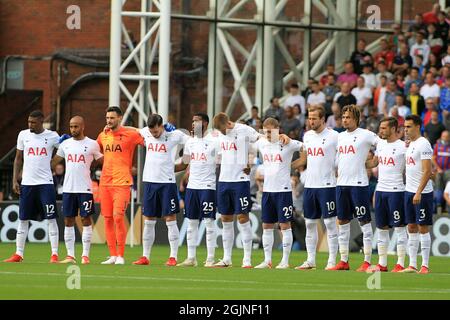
(160, 198)
(418, 194)
(200, 152)
(37, 195)
(319, 196)
(78, 152)
(277, 204)
(389, 195)
(352, 190)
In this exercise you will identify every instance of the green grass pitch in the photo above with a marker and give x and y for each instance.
(35, 278)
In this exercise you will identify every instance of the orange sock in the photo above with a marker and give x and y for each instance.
(121, 233)
(110, 236)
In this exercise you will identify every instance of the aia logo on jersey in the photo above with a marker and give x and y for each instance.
(226, 146)
(386, 161)
(198, 156)
(410, 161)
(272, 158)
(37, 152)
(157, 147)
(347, 149)
(316, 152)
(113, 148)
(76, 158)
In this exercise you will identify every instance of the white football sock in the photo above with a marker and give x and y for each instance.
(247, 241)
(173, 233)
(287, 245)
(267, 241)
(413, 247)
(210, 238)
(86, 239)
(69, 239)
(228, 240)
(425, 245)
(402, 239)
(311, 240)
(332, 236)
(148, 237)
(53, 233)
(382, 243)
(192, 237)
(367, 241)
(343, 239)
(21, 237)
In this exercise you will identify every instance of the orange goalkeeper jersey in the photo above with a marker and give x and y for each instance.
(118, 150)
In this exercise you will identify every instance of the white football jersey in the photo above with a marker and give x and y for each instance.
(202, 153)
(37, 154)
(391, 165)
(321, 153)
(79, 155)
(160, 156)
(234, 149)
(352, 151)
(417, 151)
(277, 164)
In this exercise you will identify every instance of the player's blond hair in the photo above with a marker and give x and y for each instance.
(319, 108)
(354, 111)
(220, 120)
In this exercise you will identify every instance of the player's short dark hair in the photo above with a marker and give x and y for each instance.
(255, 108)
(415, 68)
(392, 122)
(415, 119)
(154, 120)
(203, 116)
(37, 114)
(115, 109)
(294, 85)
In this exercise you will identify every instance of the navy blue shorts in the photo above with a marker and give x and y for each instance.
(160, 199)
(319, 203)
(277, 207)
(233, 197)
(200, 204)
(353, 202)
(389, 209)
(422, 213)
(72, 202)
(37, 202)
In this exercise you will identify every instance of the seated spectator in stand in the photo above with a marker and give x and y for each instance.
(447, 196)
(433, 127)
(369, 78)
(295, 98)
(433, 62)
(344, 97)
(402, 41)
(434, 39)
(330, 72)
(363, 96)
(417, 26)
(255, 116)
(400, 80)
(308, 90)
(394, 113)
(299, 115)
(445, 102)
(413, 77)
(402, 61)
(430, 89)
(389, 100)
(403, 110)
(446, 58)
(441, 161)
(443, 28)
(380, 95)
(316, 96)
(349, 76)
(382, 71)
(331, 119)
(385, 54)
(432, 16)
(393, 39)
(414, 101)
(418, 63)
(290, 125)
(338, 127)
(420, 47)
(360, 56)
(373, 120)
(444, 74)
(274, 110)
(58, 180)
(330, 90)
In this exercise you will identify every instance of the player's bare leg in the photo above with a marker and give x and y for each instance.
(148, 238)
(267, 241)
(69, 240)
(247, 240)
(173, 233)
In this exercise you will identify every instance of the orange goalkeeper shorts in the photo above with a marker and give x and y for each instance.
(114, 200)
